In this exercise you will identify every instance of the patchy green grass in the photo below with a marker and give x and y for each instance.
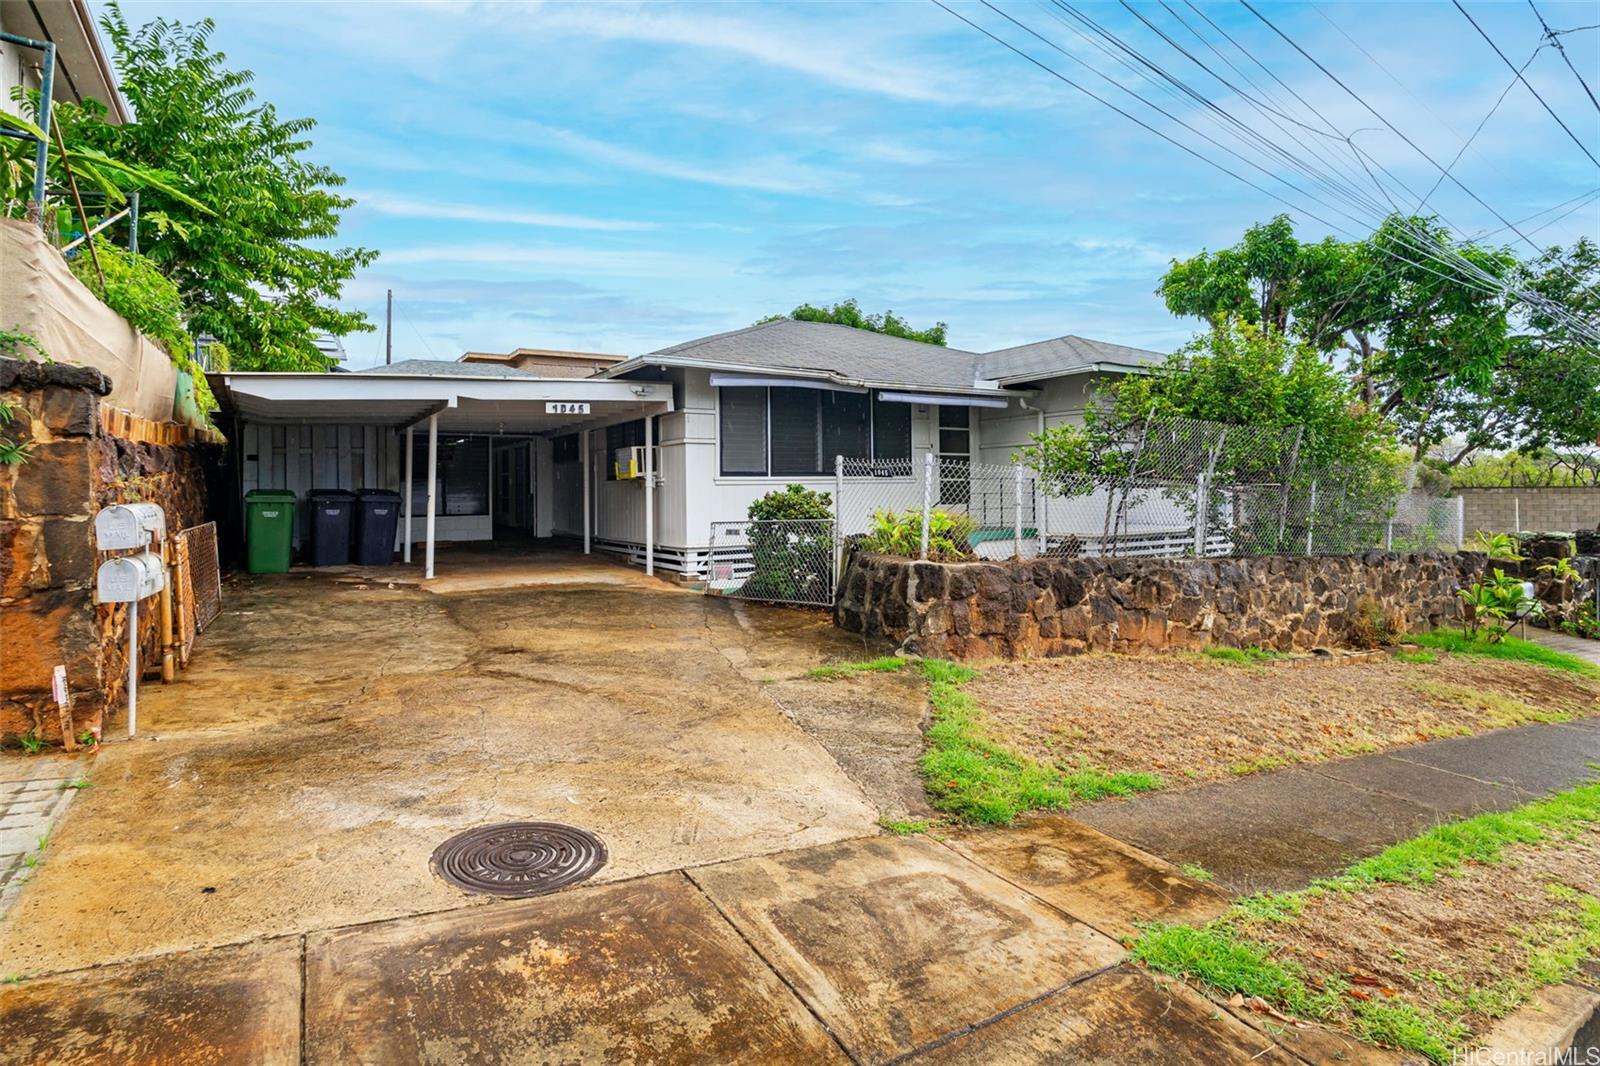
(1251, 656)
(1509, 648)
(1223, 957)
(1195, 872)
(886, 664)
(1501, 711)
(1424, 657)
(905, 827)
(971, 776)
(1484, 838)
(1263, 763)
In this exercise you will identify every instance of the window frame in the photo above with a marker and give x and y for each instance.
(871, 426)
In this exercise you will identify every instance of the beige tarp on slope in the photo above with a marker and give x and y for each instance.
(40, 296)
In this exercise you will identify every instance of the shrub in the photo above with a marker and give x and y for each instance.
(791, 502)
(1497, 545)
(1492, 603)
(791, 545)
(148, 300)
(901, 534)
(1371, 628)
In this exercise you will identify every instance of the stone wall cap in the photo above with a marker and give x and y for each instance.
(29, 375)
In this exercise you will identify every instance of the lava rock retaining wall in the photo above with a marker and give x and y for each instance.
(1049, 607)
(47, 555)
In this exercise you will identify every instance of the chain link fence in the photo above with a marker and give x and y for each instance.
(1163, 488)
(790, 560)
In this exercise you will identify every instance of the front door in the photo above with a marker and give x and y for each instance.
(512, 484)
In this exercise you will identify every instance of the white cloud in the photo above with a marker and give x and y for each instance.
(408, 207)
(621, 262)
(779, 174)
(835, 58)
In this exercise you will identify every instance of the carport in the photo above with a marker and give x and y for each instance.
(354, 429)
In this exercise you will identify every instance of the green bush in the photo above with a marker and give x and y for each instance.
(1493, 603)
(148, 300)
(901, 534)
(138, 292)
(791, 545)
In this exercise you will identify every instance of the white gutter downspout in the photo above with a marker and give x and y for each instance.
(1041, 512)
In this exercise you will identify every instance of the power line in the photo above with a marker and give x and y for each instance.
(1482, 123)
(1555, 38)
(1407, 238)
(1524, 81)
(1130, 117)
(1403, 236)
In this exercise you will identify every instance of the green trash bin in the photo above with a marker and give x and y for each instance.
(268, 530)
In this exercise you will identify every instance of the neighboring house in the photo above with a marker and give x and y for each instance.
(83, 72)
(733, 416)
(548, 362)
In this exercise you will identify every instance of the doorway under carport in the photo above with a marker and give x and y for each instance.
(463, 448)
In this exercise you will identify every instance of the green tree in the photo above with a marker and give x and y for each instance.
(256, 273)
(849, 313)
(1437, 355)
(1237, 373)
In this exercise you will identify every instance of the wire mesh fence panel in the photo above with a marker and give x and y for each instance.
(1160, 487)
(776, 560)
(199, 581)
(990, 510)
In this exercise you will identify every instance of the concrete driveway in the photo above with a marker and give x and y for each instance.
(249, 882)
(333, 730)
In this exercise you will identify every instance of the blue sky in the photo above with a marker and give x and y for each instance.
(621, 177)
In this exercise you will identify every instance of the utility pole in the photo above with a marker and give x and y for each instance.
(388, 328)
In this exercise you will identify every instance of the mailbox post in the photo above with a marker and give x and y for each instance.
(130, 578)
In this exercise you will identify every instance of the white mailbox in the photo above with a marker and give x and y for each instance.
(128, 525)
(130, 578)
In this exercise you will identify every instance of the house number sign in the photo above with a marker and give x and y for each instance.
(565, 407)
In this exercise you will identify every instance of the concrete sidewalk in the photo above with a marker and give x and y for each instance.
(983, 947)
(1279, 831)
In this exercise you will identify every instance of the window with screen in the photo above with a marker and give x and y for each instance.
(891, 430)
(742, 419)
(793, 432)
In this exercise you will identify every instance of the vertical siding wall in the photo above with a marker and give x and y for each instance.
(1002, 432)
(306, 456)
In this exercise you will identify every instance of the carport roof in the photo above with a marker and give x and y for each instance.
(465, 402)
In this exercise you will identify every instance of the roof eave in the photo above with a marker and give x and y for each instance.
(1074, 371)
(639, 362)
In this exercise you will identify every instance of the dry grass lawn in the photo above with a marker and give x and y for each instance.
(1191, 718)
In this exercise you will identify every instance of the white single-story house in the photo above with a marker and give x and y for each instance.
(729, 417)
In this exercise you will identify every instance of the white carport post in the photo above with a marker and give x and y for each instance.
(405, 548)
(649, 498)
(433, 478)
(584, 440)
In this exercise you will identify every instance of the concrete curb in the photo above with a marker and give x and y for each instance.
(1542, 1029)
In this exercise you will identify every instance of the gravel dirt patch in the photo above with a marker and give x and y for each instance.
(1190, 718)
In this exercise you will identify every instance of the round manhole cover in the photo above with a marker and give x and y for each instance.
(519, 858)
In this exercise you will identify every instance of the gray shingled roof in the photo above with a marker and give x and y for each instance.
(448, 368)
(853, 354)
(1044, 359)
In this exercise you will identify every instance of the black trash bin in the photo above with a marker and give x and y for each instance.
(331, 512)
(377, 517)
